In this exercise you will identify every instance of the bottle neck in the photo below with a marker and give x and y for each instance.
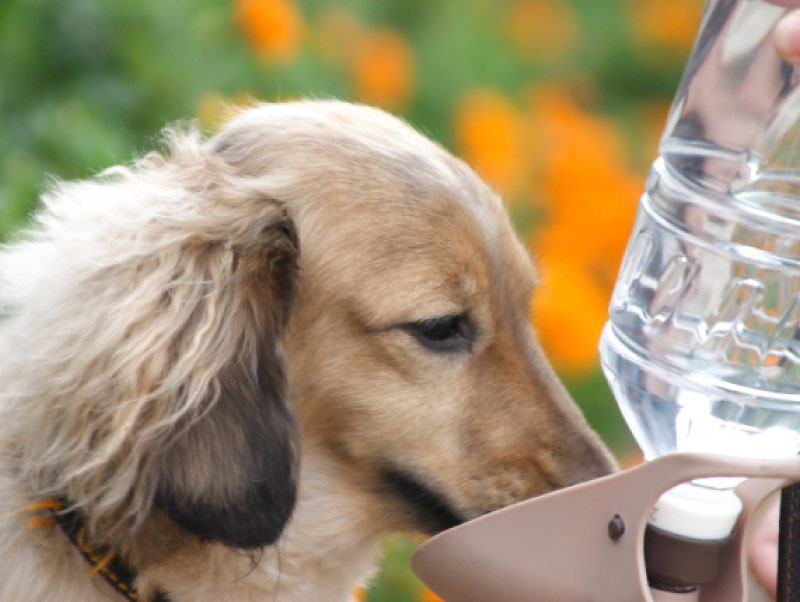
(687, 539)
(697, 512)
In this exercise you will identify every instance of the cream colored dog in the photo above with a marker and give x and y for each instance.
(289, 339)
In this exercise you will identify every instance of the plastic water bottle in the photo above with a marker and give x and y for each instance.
(702, 349)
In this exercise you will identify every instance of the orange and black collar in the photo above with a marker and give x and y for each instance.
(103, 559)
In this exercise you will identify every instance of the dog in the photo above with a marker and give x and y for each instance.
(233, 366)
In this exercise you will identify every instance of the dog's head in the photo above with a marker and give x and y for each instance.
(150, 310)
(410, 353)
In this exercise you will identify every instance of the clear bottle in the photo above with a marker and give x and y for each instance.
(702, 349)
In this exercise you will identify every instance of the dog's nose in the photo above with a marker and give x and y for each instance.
(590, 460)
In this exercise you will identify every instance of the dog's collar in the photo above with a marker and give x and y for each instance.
(103, 559)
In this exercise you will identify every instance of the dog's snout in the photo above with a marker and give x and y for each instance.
(590, 460)
(575, 452)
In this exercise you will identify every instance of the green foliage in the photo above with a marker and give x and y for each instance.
(396, 582)
(86, 84)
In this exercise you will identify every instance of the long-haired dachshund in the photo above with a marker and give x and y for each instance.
(227, 370)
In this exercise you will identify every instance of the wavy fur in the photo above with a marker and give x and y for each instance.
(135, 303)
(144, 316)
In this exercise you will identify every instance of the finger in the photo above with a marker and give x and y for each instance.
(787, 37)
(763, 552)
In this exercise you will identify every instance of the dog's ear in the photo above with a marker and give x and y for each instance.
(230, 473)
(146, 313)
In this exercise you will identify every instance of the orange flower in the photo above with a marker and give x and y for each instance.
(670, 24)
(426, 595)
(556, 120)
(584, 177)
(487, 132)
(541, 29)
(360, 594)
(271, 26)
(568, 311)
(383, 69)
(590, 196)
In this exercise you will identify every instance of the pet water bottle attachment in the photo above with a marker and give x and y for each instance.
(702, 349)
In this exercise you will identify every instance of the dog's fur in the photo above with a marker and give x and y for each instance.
(165, 328)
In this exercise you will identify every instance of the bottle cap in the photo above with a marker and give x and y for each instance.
(697, 512)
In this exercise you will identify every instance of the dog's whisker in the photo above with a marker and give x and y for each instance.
(279, 572)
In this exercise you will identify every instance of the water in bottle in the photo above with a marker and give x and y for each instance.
(702, 349)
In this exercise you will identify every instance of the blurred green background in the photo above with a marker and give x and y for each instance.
(559, 104)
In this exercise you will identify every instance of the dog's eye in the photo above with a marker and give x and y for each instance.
(446, 333)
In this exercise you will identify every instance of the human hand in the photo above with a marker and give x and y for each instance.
(787, 36)
(763, 551)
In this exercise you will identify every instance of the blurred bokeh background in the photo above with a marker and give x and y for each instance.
(558, 103)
